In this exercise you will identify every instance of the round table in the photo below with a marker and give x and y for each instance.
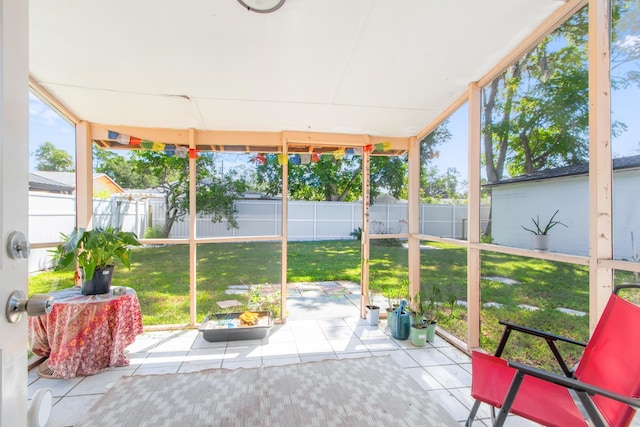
(85, 334)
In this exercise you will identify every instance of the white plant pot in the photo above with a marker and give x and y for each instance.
(373, 314)
(541, 242)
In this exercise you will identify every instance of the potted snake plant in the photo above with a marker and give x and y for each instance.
(95, 252)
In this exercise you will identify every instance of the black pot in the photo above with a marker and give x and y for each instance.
(100, 283)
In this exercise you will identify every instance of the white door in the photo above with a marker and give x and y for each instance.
(14, 193)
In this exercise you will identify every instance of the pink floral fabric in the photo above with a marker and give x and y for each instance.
(85, 334)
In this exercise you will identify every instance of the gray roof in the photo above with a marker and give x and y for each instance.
(574, 170)
(40, 183)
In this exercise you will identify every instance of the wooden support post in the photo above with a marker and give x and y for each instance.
(84, 176)
(473, 238)
(364, 235)
(600, 163)
(193, 213)
(285, 233)
(414, 222)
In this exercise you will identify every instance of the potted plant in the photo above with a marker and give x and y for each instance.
(95, 252)
(432, 307)
(373, 311)
(418, 327)
(541, 235)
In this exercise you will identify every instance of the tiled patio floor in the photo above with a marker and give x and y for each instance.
(320, 325)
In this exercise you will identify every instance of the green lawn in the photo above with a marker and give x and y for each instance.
(160, 276)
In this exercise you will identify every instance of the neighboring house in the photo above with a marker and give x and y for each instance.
(102, 184)
(516, 200)
(41, 183)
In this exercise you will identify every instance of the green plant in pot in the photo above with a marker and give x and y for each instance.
(418, 325)
(431, 310)
(540, 232)
(95, 252)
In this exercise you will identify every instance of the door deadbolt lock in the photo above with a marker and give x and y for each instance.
(18, 304)
(18, 246)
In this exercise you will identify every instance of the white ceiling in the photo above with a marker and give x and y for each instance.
(381, 67)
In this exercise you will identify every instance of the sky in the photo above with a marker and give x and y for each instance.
(46, 125)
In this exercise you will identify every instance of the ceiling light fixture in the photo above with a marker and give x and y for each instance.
(262, 6)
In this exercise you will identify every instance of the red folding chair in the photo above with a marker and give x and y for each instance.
(604, 388)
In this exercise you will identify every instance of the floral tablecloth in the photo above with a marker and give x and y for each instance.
(85, 334)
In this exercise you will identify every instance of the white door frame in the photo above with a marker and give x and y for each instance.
(14, 190)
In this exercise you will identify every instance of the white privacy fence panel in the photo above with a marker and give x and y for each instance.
(325, 220)
(51, 214)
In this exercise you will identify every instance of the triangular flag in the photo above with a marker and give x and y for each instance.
(113, 135)
(305, 159)
(386, 145)
(134, 141)
(315, 157)
(272, 159)
(170, 150)
(193, 153)
(282, 159)
(350, 151)
(380, 147)
(358, 151)
(338, 154)
(157, 146)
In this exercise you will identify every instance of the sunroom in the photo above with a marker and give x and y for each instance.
(373, 78)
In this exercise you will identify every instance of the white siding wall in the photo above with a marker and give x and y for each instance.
(515, 204)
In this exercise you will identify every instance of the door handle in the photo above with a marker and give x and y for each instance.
(18, 304)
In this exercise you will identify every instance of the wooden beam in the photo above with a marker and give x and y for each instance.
(473, 236)
(193, 247)
(46, 97)
(285, 232)
(84, 177)
(600, 162)
(414, 222)
(364, 234)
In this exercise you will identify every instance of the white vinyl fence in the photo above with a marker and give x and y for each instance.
(52, 214)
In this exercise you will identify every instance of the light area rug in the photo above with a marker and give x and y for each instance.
(371, 391)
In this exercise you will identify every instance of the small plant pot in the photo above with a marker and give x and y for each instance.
(373, 315)
(431, 332)
(418, 335)
(541, 242)
(100, 283)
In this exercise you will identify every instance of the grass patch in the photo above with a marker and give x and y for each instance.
(160, 276)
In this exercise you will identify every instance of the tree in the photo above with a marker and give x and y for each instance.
(435, 187)
(215, 195)
(340, 179)
(120, 169)
(53, 159)
(535, 114)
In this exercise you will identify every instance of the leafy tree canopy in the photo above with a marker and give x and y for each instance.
(53, 159)
(215, 195)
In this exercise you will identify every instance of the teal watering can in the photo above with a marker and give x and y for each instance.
(400, 323)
